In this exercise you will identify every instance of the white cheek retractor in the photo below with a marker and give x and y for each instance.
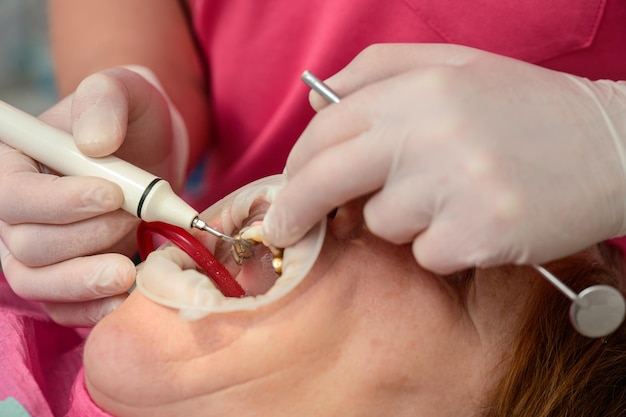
(596, 312)
(193, 294)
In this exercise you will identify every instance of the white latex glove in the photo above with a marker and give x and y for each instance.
(63, 239)
(474, 158)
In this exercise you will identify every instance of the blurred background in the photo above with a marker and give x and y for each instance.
(26, 79)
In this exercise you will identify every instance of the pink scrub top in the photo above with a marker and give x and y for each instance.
(255, 51)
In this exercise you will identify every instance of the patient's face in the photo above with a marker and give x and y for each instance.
(368, 332)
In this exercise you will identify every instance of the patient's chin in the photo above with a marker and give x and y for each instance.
(120, 359)
(144, 360)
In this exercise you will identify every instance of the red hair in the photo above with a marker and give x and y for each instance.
(554, 371)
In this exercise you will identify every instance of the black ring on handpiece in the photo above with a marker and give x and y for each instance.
(145, 195)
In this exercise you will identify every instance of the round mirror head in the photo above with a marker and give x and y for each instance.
(598, 312)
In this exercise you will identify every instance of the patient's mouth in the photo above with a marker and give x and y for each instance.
(241, 212)
(260, 270)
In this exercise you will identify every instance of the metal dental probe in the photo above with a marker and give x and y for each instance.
(146, 196)
(319, 87)
(596, 311)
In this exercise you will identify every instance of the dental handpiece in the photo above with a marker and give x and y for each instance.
(146, 196)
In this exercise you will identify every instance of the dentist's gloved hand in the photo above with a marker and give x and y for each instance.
(63, 240)
(475, 159)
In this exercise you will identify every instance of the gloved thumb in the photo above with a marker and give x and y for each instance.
(128, 105)
(99, 115)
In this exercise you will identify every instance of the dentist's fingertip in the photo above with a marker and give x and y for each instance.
(96, 129)
(279, 230)
(269, 226)
(101, 116)
(109, 305)
(97, 310)
(273, 227)
(83, 314)
(111, 277)
(102, 197)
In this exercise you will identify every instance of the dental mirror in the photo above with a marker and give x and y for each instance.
(596, 311)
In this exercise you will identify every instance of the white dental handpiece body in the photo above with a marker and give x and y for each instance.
(145, 195)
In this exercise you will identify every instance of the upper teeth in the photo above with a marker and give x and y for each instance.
(255, 233)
